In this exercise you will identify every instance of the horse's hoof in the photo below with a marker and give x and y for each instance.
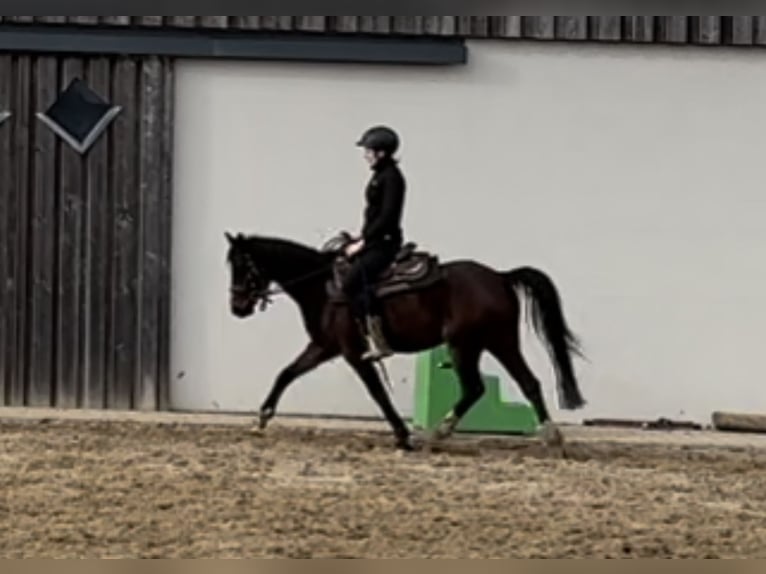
(552, 435)
(257, 431)
(265, 416)
(405, 444)
(443, 432)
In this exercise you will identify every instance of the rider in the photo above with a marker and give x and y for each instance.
(381, 235)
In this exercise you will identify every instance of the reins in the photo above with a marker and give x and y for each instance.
(266, 295)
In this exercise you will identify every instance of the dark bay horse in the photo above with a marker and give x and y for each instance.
(469, 306)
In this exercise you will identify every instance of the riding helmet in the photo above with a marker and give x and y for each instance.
(380, 138)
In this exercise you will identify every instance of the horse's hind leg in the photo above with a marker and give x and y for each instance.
(507, 351)
(466, 363)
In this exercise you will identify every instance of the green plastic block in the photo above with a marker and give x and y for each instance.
(437, 389)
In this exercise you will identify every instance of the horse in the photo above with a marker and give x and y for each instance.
(424, 302)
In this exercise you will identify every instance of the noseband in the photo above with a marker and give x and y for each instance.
(253, 289)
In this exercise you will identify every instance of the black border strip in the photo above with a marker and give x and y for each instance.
(254, 46)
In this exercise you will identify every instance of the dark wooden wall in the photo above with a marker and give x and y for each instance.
(703, 30)
(84, 240)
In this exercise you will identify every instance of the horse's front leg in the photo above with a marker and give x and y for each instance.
(366, 371)
(311, 357)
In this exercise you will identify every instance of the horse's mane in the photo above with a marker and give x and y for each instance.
(283, 254)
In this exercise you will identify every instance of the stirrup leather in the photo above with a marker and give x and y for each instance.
(376, 341)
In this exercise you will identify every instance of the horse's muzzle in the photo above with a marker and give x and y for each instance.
(242, 307)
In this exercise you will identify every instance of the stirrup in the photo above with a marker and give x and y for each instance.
(375, 353)
(377, 345)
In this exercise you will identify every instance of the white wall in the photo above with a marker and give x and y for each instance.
(631, 175)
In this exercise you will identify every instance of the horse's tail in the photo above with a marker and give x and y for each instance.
(549, 323)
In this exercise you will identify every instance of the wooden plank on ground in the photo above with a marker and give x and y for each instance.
(661, 423)
(739, 422)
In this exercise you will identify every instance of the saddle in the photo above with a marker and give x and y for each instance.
(412, 269)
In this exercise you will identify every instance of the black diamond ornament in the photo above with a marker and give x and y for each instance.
(79, 115)
(4, 116)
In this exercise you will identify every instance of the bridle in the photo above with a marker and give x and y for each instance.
(262, 295)
(253, 287)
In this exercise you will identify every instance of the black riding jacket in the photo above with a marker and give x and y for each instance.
(385, 204)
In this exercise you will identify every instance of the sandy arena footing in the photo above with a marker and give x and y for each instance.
(112, 484)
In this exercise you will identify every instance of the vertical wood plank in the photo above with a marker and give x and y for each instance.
(572, 27)
(479, 26)
(439, 25)
(705, 30)
(311, 23)
(182, 21)
(42, 261)
(116, 20)
(505, 26)
(83, 20)
(344, 23)
(150, 185)
(50, 19)
(463, 25)
(245, 22)
(410, 25)
(538, 27)
(166, 224)
(17, 229)
(276, 22)
(68, 288)
(606, 28)
(125, 249)
(741, 30)
(760, 30)
(212, 21)
(6, 183)
(375, 24)
(286, 23)
(673, 29)
(639, 28)
(150, 20)
(98, 251)
(473, 26)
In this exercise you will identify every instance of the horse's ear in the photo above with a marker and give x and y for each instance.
(229, 237)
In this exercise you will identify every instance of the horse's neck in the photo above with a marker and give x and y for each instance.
(303, 281)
